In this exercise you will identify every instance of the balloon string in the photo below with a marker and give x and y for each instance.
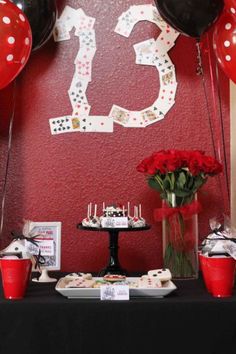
(220, 116)
(8, 158)
(201, 73)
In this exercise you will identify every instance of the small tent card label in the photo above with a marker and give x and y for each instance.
(114, 292)
(45, 246)
(115, 222)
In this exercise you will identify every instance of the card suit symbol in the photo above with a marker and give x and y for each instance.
(159, 64)
(169, 67)
(154, 108)
(166, 61)
(53, 122)
(67, 128)
(84, 120)
(64, 128)
(84, 128)
(59, 129)
(55, 130)
(62, 120)
(58, 121)
(163, 70)
(67, 120)
(61, 125)
(167, 31)
(161, 114)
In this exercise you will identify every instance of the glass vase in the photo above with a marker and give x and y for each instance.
(180, 244)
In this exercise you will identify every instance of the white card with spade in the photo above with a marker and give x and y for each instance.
(96, 124)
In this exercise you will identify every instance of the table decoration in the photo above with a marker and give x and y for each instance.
(177, 175)
(218, 258)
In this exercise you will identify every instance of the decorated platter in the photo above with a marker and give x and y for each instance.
(94, 293)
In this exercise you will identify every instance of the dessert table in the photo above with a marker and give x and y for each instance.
(188, 321)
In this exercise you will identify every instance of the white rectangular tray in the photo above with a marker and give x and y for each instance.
(94, 293)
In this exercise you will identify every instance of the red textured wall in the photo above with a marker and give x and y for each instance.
(53, 178)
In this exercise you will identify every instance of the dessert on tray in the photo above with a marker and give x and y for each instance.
(153, 279)
(114, 217)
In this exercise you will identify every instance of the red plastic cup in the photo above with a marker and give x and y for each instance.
(219, 274)
(222, 273)
(205, 273)
(15, 277)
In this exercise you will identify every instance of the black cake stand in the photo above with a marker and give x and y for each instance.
(113, 266)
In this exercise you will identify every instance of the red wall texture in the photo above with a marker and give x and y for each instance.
(53, 178)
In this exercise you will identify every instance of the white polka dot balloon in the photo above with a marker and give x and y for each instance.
(224, 42)
(15, 41)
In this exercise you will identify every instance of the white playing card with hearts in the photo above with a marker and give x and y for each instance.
(81, 109)
(135, 121)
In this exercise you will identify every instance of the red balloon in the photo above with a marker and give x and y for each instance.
(231, 4)
(224, 44)
(15, 41)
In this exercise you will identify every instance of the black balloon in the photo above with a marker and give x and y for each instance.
(191, 17)
(42, 16)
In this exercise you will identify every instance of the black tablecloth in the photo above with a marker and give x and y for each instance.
(187, 321)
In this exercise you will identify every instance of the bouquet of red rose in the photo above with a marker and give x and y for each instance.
(177, 175)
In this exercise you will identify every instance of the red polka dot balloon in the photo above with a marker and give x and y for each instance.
(224, 43)
(15, 42)
(230, 4)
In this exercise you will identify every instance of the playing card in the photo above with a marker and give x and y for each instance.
(83, 69)
(81, 109)
(166, 39)
(169, 77)
(96, 124)
(163, 64)
(69, 17)
(61, 32)
(135, 120)
(77, 97)
(153, 114)
(125, 24)
(167, 93)
(85, 54)
(157, 19)
(78, 84)
(84, 22)
(145, 52)
(149, 116)
(87, 38)
(142, 12)
(60, 125)
(119, 115)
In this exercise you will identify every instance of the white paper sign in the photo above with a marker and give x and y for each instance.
(115, 222)
(114, 292)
